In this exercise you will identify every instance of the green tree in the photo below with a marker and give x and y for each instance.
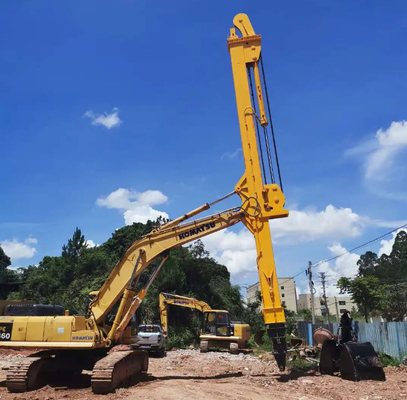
(4, 260)
(366, 292)
(356, 314)
(291, 321)
(253, 316)
(367, 264)
(9, 279)
(306, 314)
(391, 272)
(73, 248)
(393, 305)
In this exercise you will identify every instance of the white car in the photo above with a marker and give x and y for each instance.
(150, 337)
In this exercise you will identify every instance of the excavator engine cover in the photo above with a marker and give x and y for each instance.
(359, 361)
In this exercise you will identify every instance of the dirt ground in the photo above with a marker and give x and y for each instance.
(187, 374)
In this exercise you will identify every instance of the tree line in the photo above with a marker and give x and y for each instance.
(380, 287)
(67, 279)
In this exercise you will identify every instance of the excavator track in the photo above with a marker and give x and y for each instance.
(118, 368)
(27, 373)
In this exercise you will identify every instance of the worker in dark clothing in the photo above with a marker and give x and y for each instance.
(346, 325)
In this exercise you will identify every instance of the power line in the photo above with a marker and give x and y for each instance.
(292, 277)
(360, 246)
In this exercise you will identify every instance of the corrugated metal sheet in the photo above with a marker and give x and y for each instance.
(386, 337)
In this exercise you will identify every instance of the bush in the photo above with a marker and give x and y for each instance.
(299, 364)
(180, 338)
(265, 346)
(387, 360)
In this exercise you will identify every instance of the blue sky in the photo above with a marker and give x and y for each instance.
(138, 95)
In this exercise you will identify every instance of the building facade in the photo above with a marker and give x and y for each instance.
(336, 305)
(287, 289)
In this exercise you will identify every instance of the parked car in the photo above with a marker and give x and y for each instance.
(151, 338)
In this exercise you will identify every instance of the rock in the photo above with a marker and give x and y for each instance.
(307, 382)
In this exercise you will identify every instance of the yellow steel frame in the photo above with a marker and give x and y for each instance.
(267, 201)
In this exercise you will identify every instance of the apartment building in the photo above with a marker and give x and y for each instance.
(287, 289)
(336, 305)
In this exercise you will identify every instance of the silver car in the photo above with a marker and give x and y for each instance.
(150, 337)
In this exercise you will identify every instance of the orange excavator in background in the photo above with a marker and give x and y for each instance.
(70, 343)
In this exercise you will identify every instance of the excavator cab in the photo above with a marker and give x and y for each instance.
(216, 322)
(219, 332)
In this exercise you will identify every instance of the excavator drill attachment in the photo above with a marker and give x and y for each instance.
(355, 361)
(276, 333)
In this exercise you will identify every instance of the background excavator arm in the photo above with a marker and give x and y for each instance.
(166, 299)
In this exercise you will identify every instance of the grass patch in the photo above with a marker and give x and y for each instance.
(387, 360)
(299, 364)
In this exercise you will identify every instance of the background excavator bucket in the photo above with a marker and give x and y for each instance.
(359, 361)
(258, 337)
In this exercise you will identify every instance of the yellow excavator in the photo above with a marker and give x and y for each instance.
(71, 343)
(217, 330)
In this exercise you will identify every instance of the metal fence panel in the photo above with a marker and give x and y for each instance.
(386, 337)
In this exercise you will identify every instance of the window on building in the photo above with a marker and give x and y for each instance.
(282, 295)
(282, 287)
(342, 310)
(342, 303)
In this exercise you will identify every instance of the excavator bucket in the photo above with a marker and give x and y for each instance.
(329, 357)
(359, 361)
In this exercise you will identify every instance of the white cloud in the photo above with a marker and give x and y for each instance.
(90, 244)
(31, 240)
(136, 207)
(380, 153)
(344, 266)
(387, 245)
(107, 120)
(17, 250)
(237, 251)
(310, 225)
(231, 156)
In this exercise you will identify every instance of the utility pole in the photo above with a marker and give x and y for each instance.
(323, 281)
(337, 312)
(312, 290)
